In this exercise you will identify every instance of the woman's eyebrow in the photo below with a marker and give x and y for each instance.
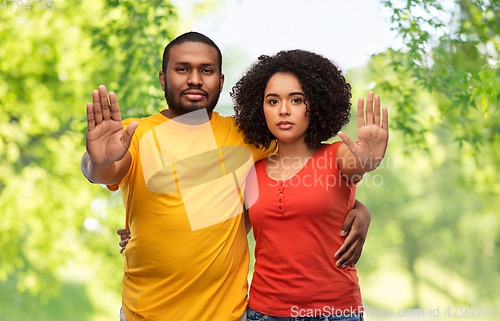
(291, 94)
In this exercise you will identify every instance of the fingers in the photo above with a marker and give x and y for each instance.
(351, 256)
(115, 109)
(103, 97)
(124, 233)
(346, 227)
(101, 107)
(96, 102)
(340, 253)
(345, 246)
(129, 132)
(347, 140)
(354, 257)
(348, 249)
(124, 238)
(376, 111)
(369, 108)
(385, 119)
(360, 115)
(372, 112)
(90, 117)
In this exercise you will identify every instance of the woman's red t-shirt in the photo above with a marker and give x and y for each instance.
(296, 224)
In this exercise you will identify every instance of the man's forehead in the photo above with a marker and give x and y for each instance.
(193, 53)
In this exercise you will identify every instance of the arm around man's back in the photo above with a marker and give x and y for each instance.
(107, 158)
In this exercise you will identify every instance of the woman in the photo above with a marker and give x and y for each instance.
(303, 192)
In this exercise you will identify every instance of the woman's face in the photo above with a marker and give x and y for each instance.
(285, 108)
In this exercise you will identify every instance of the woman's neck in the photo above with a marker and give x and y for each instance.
(289, 160)
(297, 149)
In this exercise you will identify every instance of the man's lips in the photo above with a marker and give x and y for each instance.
(285, 124)
(194, 95)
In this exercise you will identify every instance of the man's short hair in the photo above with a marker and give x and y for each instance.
(191, 36)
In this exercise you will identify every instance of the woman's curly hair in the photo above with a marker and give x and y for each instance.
(328, 96)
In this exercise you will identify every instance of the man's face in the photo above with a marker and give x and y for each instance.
(193, 80)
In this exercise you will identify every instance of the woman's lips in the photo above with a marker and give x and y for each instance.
(285, 125)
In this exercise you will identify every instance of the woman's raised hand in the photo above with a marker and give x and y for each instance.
(373, 134)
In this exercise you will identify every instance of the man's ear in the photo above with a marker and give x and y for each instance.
(221, 83)
(162, 78)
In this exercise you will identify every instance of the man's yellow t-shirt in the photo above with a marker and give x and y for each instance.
(188, 255)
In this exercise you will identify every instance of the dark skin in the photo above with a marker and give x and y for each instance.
(355, 226)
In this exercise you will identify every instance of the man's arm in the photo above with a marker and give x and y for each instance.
(356, 158)
(355, 226)
(107, 158)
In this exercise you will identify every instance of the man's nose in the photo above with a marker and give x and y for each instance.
(195, 78)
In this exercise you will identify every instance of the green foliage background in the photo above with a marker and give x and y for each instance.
(435, 202)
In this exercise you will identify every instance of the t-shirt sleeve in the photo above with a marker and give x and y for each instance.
(133, 149)
(257, 153)
(264, 153)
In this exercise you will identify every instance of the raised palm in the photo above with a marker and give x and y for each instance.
(373, 134)
(107, 141)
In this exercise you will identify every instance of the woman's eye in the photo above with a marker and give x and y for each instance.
(273, 101)
(296, 100)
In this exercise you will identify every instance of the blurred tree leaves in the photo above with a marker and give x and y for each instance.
(131, 43)
(451, 48)
(50, 61)
(437, 209)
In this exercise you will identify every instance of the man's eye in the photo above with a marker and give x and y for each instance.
(181, 69)
(208, 71)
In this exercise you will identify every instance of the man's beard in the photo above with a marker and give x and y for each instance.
(180, 109)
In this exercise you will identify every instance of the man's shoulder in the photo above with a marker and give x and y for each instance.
(226, 126)
(234, 137)
(225, 120)
(156, 118)
(145, 123)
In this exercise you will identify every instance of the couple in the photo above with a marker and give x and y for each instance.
(182, 174)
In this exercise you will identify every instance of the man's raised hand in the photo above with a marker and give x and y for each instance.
(107, 141)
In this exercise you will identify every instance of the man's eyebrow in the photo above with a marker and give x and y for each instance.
(188, 64)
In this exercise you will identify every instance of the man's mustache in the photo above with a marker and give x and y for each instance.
(194, 88)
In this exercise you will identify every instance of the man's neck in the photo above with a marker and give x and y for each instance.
(193, 118)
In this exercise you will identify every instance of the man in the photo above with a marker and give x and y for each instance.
(182, 174)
